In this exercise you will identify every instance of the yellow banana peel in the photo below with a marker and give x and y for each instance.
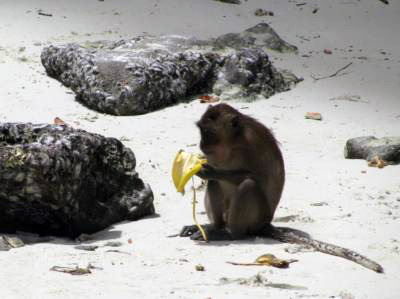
(184, 167)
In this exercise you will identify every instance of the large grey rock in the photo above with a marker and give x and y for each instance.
(146, 73)
(370, 147)
(64, 181)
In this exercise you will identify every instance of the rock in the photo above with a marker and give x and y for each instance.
(86, 247)
(9, 242)
(259, 280)
(140, 75)
(63, 181)
(259, 12)
(251, 69)
(114, 244)
(313, 115)
(370, 148)
(261, 35)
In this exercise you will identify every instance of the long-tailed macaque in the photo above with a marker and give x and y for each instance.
(245, 173)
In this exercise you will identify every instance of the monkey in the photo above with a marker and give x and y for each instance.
(245, 176)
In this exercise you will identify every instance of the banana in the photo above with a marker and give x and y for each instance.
(184, 167)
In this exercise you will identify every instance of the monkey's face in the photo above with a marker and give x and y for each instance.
(218, 131)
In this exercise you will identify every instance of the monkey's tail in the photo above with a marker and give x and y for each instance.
(289, 235)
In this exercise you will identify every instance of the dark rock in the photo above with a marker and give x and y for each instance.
(370, 147)
(251, 70)
(64, 181)
(146, 73)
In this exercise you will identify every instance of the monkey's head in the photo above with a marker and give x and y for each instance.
(220, 128)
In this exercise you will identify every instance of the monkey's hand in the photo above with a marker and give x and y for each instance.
(236, 176)
(206, 172)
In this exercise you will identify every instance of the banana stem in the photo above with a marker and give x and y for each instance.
(194, 213)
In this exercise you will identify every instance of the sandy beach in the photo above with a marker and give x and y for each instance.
(336, 200)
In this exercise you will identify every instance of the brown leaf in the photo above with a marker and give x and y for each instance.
(377, 162)
(208, 99)
(59, 122)
(267, 260)
(72, 270)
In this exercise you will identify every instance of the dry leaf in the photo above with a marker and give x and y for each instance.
(267, 260)
(70, 270)
(208, 99)
(377, 162)
(59, 122)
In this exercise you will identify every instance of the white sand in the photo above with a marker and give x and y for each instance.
(362, 211)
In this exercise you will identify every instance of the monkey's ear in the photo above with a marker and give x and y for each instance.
(236, 124)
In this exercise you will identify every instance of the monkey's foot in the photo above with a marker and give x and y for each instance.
(212, 235)
(188, 230)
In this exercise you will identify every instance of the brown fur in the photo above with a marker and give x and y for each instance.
(246, 174)
(233, 141)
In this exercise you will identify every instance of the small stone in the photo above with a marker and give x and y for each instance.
(319, 204)
(200, 268)
(259, 12)
(84, 238)
(6, 242)
(313, 115)
(86, 247)
(113, 244)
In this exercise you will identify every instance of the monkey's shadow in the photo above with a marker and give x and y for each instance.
(108, 234)
(248, 241)
(267, 240)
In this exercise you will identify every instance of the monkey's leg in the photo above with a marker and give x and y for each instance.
(248, 210)
(246, 215)
(213, 204)
(214, 209)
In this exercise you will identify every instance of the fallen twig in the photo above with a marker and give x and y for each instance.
(334, 74)
(118, 251)
(73, 271)
(42, 13)
(246, 264)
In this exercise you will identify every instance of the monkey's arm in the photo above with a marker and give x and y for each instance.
(207, 172)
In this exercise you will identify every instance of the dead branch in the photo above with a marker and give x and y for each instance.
(334, 74)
